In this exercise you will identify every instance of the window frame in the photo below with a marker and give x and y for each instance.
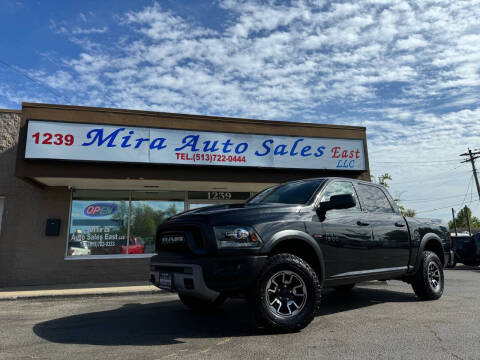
(321, 192)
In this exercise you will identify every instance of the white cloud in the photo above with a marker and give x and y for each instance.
(408, 70)
(87, 31)
(411, 43)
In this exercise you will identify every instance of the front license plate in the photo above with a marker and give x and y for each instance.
(165, 281)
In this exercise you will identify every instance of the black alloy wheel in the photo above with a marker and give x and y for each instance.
(287, 294)
(428, 282)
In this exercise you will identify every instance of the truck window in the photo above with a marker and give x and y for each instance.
(341, 188)
(374, 199)
(298, 192)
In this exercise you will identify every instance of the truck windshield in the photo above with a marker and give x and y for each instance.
(298, 192)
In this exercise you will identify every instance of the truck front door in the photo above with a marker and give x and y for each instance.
(343, 235)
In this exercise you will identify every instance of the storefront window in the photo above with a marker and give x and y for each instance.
(110, 222)
(199, 205)
(99, 222)
(102, 221)
(150, 209)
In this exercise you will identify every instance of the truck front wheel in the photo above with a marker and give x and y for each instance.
(287, 293)
(199, 305)
(428, 282)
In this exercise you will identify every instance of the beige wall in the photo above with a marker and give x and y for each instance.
(27, 256)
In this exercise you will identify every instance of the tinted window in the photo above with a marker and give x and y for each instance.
(340, 188)
(291, 193)
(374, 199)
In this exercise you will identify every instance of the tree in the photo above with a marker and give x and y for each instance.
(409, 213)
(382, 180)
(461, 219)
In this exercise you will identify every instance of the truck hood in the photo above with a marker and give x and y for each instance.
(235, 213)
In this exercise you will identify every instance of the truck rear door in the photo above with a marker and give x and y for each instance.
(390, 246)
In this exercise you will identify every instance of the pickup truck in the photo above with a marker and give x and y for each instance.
(466, 250)
(281, 247)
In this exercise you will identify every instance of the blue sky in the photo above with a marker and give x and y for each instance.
(407, 70)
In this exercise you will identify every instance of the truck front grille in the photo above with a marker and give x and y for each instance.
(168, 239)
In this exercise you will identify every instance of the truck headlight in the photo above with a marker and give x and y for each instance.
(236, 237)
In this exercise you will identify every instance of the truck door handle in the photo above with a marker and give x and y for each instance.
(360, 223)
(399, 224)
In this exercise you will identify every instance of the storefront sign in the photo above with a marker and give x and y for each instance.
(92, 142)
(100, 209)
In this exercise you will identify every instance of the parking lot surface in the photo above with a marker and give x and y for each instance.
(379, 320)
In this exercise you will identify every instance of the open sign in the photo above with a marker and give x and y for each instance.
(100, 209)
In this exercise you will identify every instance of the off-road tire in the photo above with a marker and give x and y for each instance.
(344, 289)
(201, 305)
(422, 284)
(258, 299)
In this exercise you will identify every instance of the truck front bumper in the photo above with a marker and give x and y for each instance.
(184, 278)
(207, 277)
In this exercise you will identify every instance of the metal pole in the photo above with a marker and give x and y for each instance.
(472, 160)
(454, 222)
(468, 220)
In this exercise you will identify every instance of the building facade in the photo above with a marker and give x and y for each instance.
(82, 189)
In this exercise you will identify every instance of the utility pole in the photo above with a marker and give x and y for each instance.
(471, 158)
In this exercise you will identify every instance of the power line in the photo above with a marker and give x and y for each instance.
(436, 177)
(444, 207)
(471, 158)
(415, 162)
(431, 199)
(33, 80)
(468, 187)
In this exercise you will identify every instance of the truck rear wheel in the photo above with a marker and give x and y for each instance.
(287, 293)
(428, 282)
(199, 305)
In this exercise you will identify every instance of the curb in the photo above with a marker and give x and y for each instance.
(48, 296)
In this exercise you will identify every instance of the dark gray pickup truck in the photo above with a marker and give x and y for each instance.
(285, 244)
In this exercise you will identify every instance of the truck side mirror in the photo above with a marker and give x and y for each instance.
(342, 201)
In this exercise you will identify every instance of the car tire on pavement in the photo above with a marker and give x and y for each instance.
(200, 305)
(428, 281)
(287, 294)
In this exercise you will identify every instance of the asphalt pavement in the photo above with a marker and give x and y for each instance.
(381, 320)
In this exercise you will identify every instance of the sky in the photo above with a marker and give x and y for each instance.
(409, 71)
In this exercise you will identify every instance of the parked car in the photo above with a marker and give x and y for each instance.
(77, 248)
(136, 245)
(466, 249)
(285, 244)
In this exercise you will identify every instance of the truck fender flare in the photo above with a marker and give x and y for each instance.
(426, 239)
(298, 235)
